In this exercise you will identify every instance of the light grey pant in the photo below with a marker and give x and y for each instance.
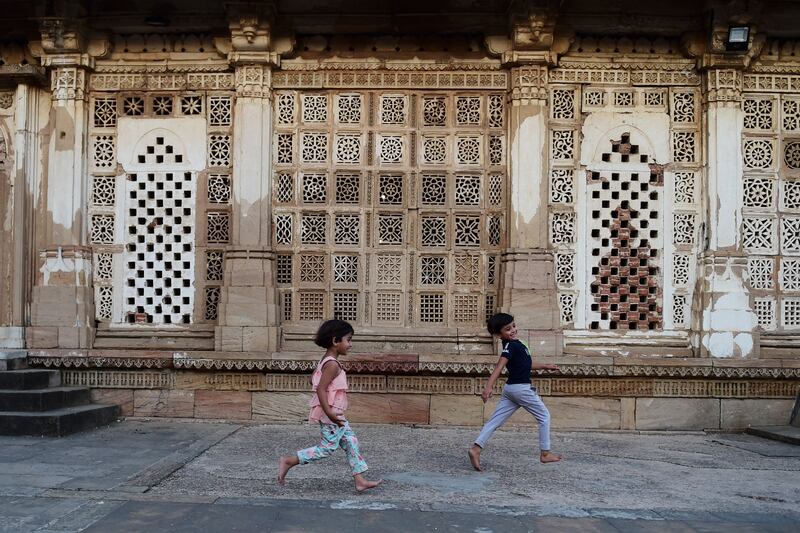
(514, 397)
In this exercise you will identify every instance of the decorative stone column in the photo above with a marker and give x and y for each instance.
(248, 316)
(62, 309)
(529, 291)
(728, 325)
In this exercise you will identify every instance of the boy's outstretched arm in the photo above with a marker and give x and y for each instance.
(498, 369)
(543, 366)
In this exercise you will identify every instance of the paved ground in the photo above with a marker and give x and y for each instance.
(186, 476)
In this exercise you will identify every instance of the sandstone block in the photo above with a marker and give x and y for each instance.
(389, 408)
(168, 403)
(41, 337)
(677, 413)
(121, 397)
(627, 413)
(241, 314)
(583, 413)
(281, 406)
(245, 295)
(737, 414)
(233, 405)
(259, 339)
(68, 337)
(456, 410)
(230, 339)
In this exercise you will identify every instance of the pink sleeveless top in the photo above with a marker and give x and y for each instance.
(337, 393)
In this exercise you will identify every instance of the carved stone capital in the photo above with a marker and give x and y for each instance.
(253, 81)
(62, 35)
(533, 30)
(68, 83)
(723, 86)
(528, 84)
(251, 31)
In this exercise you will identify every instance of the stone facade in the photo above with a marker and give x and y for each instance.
(195, 196)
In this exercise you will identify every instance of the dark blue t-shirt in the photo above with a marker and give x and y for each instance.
(519, 362)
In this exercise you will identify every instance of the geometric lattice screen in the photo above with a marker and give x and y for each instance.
(389, 207)
(160, 240)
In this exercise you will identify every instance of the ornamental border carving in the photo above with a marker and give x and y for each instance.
(383, 79)
(625, 76)
(163, 82)
(613, 387)
(779, 83)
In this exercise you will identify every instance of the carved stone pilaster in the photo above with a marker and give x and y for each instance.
(529, 85)
(68, 83)
(723, 87)
(254, 81)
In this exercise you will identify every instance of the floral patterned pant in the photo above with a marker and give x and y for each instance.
(334, 437)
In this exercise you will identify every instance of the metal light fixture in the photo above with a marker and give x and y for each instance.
(738, 39)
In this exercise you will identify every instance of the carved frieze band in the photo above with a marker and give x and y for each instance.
(778, 83)
(624, 76)
(389, 80)
(98, 362)
(162, 82)
(581, 387)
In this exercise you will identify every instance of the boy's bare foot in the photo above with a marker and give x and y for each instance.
(475, 457)
(365, 484)
(549, 457)
(284, 465)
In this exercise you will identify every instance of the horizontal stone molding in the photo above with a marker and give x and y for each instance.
(389, 80)
(623, 76)
(108, 379)
(162, 82)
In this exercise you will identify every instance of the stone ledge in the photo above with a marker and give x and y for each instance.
(401, 364)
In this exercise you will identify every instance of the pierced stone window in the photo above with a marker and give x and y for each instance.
(390, 189)
(348, 148)
(562, 228)
(491, 270)
(212, 299)
(494, 230)
(623, 98)
(434, 111)
(790, 312)
(388, 269)
(790, 198)
(496, 189)
(759, 271)
(468, 150)
(192, 104)
(286, 306)
(345, 306)
(758, 233)
(465, 308)
(432, 270)
(286, 108)
(218, 227)
(393, 109)
(219, 150)
(103, 190)
(285, 148)
(496, 150)
(684, 192)
(758, 153)
(496, 110)
(791, 114)
(315, 108)
(104, 152)
(594, 98)
(565, 269)
(765, 312)
(104, 266)
(431, 308)
(313, 229)
(214, 265)
(283, 229)
(390, 229)
(680, 269)
(391, 149)
(284, 187)
(683, 107)
(790, 234)
(683, 228)
(434, 189)
(348, 229)
(434, 150)
(347, 188)
(468, 190)
(683, 146)
(102, 229)
(220, 110)
(468, 110)
(757, 113)
(434, 231)
(679, 309)
(759, 192)
(561, 186)
(790, 274)
(133, 106)
(345, 268)
(312, 268)
(562, 144)
(791, 155)
(467, 231)
(314, 147)
(105, 112)
(467, 270)
(654, 98)
(566, 306)
(388, 306)
(563, 104)
(219, 188)
(105, 303)
(283, 269)
(312, 305)
(315, 188)
(162, 106)
(349, 108)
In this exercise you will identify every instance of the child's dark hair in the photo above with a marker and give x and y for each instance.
(331, 331)
(498, 322)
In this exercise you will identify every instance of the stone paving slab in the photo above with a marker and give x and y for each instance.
(166, 475)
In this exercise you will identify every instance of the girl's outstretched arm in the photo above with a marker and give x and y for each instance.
(498, 369)
(329, 372)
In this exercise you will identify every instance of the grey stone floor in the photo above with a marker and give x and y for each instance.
(169, 475)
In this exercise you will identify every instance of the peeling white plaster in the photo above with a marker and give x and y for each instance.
(187, 135)
(649, 130)
(728, 320)
(61, 264)
(527, 168)
(724, 175)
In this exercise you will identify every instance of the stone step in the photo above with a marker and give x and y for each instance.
(27, 379)
(146, 338)
(788, 434)
(43, 399)
(14, 360)
(57, 422)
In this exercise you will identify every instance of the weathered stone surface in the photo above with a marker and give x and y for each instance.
(627, 417)
(456, 410)
(121, 397)
(589, 413)
(41, 337)
(389, 408)
(230, 338)
(677, 413)
(232, 405)
(737, 414)
(281, 406)
(172, 403)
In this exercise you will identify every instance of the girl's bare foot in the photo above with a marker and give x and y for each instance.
(475, 457)
(549, 457)
(284, 465)
(363, 484)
